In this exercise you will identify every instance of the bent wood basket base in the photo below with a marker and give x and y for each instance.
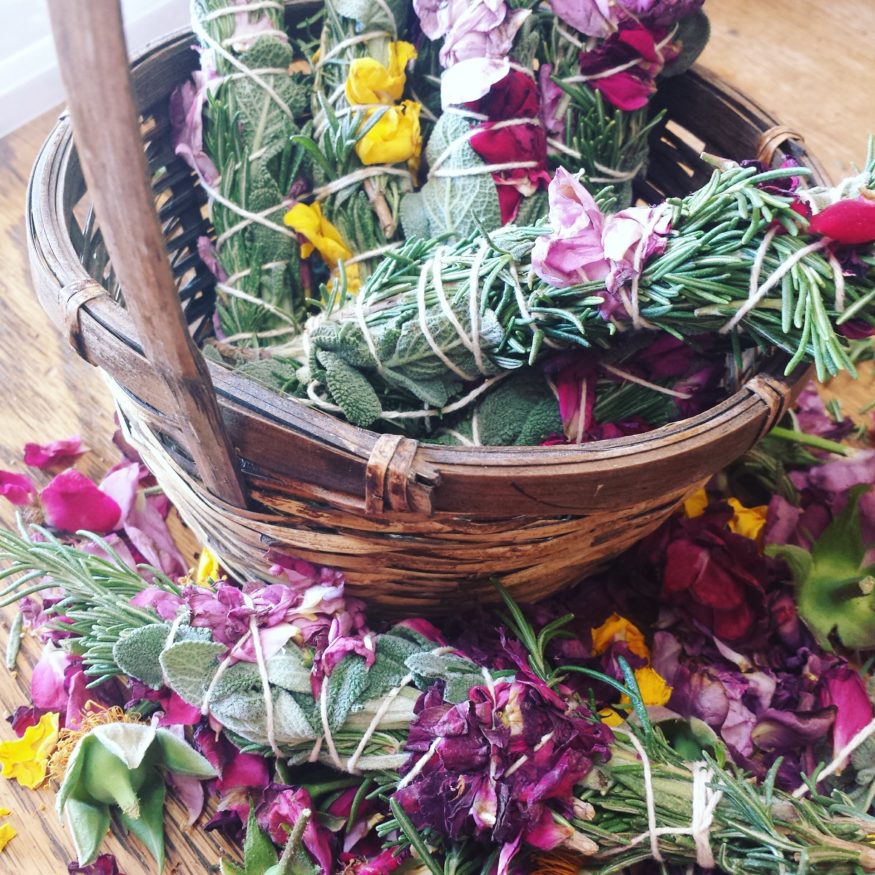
(415, 528)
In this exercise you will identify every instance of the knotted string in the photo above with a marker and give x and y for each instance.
(704, 803)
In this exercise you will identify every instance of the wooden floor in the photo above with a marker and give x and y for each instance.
(808, 61)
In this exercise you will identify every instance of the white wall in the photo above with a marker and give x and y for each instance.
(30, 82)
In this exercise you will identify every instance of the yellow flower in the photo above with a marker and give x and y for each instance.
(320, 234)
(394, 138)
(617, 628)
(7, 833)
(696, 504)
(207, 568)
(747, 521)
(652, 686)
(371, 82)
(610, 717)
(27, 758)
(324, 238)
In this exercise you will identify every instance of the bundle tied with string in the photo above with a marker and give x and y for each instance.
(254, 92)
(358, 189)
(438, 325)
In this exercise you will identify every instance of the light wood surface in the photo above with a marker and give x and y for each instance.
(807, 61)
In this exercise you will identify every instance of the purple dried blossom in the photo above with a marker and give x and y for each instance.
(498, 764)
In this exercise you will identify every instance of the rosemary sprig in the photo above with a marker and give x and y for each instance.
(96, 592)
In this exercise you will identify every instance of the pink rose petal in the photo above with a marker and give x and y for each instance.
(55, 454)
(72, 501)
(16, 488)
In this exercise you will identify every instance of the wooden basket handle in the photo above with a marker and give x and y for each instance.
(93, 59)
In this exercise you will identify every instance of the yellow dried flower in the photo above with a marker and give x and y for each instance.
(7, 830)
(26, 759)
(652, 686)
(323, 237)
(747, 521)
(207, 568)
(395, 137)
(617, 628)
(371, 82)
(696, 504)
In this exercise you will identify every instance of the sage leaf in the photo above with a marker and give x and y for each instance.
(189, 667)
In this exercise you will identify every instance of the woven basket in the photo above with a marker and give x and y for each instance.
(415, 528)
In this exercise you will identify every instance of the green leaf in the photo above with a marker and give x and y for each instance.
(292, 724)
(73, 772)
(227, 867)
(181, 757)
(458, 206)
(130, 742)
(350, 389)
(835, 595)
(138, 653)
(259, 853)
(458, 673)
(149, 826)
(189, 667)
(345, 687)
(89, 823)
(286, 669)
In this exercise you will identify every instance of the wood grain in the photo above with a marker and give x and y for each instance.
(807, 61)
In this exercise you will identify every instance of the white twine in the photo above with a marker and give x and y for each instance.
(326, 726)
(486, 168)
(422, 309)
(258, 218)
(772, 281)
(265, 686)
(632, 302)
(174, 628)
(631, 378)
(251, 299)
(380, 713)
(421, 763)
(462, 139)
(204, 37)
(274, 32)
(837, 762)
(758, 262)
(704, 803)
(621, 68)
(359, 175)
(616, 175)
(349, 42)
(839, 279)
(224, 665)
(247, 7)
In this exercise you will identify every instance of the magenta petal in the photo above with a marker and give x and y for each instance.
(847, 691)
(850, 222)
(16, 488)
(244, 770)
(47, 682)
(177, 712)
(60, 453)
(147, 529)
(546, 834)
(72, 501)
(122, 485)
(78, 696)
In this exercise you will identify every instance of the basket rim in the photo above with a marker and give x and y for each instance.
(105, 336)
